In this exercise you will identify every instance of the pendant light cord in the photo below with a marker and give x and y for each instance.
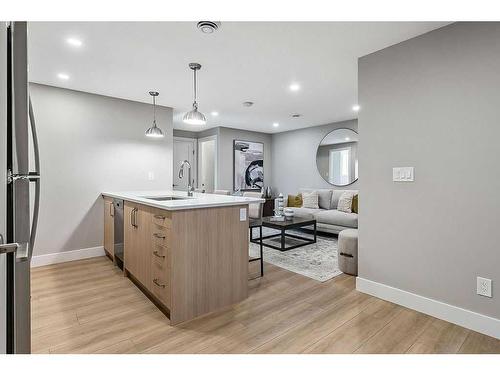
(154, 110)
(195, 104)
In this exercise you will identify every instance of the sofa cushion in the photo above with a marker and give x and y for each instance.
(294, 200)
(354, 207)
(345, 202)
(335, 217)
(336, 195)
(307, 213)
(324, 197)
(310, 200)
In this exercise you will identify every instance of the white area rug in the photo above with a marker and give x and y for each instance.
(317, 261)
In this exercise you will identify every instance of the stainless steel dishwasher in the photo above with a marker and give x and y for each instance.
(118, 235)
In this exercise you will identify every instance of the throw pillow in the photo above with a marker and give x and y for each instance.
(354, 207)
(298, 200)
(345, 202)
(310, 200)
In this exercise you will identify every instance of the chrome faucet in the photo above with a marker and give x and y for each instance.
(190, 188)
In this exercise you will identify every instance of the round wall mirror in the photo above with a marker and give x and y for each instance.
(337, 157)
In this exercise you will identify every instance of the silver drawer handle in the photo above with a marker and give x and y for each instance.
(347, 255)
(160, 217)
(158, 284)
(158, 254)
(159, 235)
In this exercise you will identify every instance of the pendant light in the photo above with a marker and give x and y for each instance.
(154, 131)
(194, 117)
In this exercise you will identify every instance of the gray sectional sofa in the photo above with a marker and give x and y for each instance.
(328, 218)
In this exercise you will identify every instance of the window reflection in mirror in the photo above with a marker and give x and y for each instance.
(337, 157)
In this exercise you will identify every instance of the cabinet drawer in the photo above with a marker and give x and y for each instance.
(160, 237)
(160, 284)
(161, 256)
(161, 219)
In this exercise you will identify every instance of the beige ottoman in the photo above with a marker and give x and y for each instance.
(348, 251)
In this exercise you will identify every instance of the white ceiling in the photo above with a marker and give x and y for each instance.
(243, 61)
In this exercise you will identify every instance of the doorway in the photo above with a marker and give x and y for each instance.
(207, 162)
(184, 149)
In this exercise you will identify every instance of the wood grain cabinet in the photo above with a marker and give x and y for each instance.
(137, 242)
(189, 262)
(109, 227)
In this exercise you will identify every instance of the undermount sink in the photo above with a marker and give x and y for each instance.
(167, 198)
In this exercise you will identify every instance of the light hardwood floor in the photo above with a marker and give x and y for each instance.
(87, 306)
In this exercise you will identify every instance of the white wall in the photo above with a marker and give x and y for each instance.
(433, 102)
(90, 144)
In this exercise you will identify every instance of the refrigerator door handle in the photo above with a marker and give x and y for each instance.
(34, 177)
(7, 247)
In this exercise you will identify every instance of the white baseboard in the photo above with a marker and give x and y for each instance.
(453, 314)
(66, 256)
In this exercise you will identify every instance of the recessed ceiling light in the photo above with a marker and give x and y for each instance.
(294, 87)
(74, 42)
(247, 104)
(63, 76)
(275, 124)
(214, 113)
(347, 138)
(356, 107)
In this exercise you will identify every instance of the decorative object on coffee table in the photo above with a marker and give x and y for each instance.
(284, 226)
(248, 165)
(348, 251)
(281, 205)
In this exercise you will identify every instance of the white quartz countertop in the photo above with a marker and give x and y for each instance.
(198, 200)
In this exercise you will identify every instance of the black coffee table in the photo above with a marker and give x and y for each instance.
(283, 226)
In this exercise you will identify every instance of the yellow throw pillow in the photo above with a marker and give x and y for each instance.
(294, 200)
(298, 200)
(354, 206)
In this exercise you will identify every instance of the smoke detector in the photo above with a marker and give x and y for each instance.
(247, 104)
(208, 27)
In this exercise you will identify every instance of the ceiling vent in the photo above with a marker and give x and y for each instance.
(208, 27)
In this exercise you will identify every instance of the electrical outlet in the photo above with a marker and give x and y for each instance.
(484, 287)
(243, 214)
(151, 176)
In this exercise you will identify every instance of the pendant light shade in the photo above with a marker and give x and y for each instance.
(194, 117)
(154, 131)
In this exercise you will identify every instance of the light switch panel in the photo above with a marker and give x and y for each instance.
(243, 214)
(403, 174)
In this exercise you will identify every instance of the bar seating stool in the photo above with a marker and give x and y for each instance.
(255, 221)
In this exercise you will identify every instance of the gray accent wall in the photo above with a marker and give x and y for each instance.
(225, 154)
(294, 158)
(90, 144)
(432, 103)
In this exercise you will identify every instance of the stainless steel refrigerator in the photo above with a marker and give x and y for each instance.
(19, 189)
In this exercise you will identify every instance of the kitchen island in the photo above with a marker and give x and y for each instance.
(189, 255)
